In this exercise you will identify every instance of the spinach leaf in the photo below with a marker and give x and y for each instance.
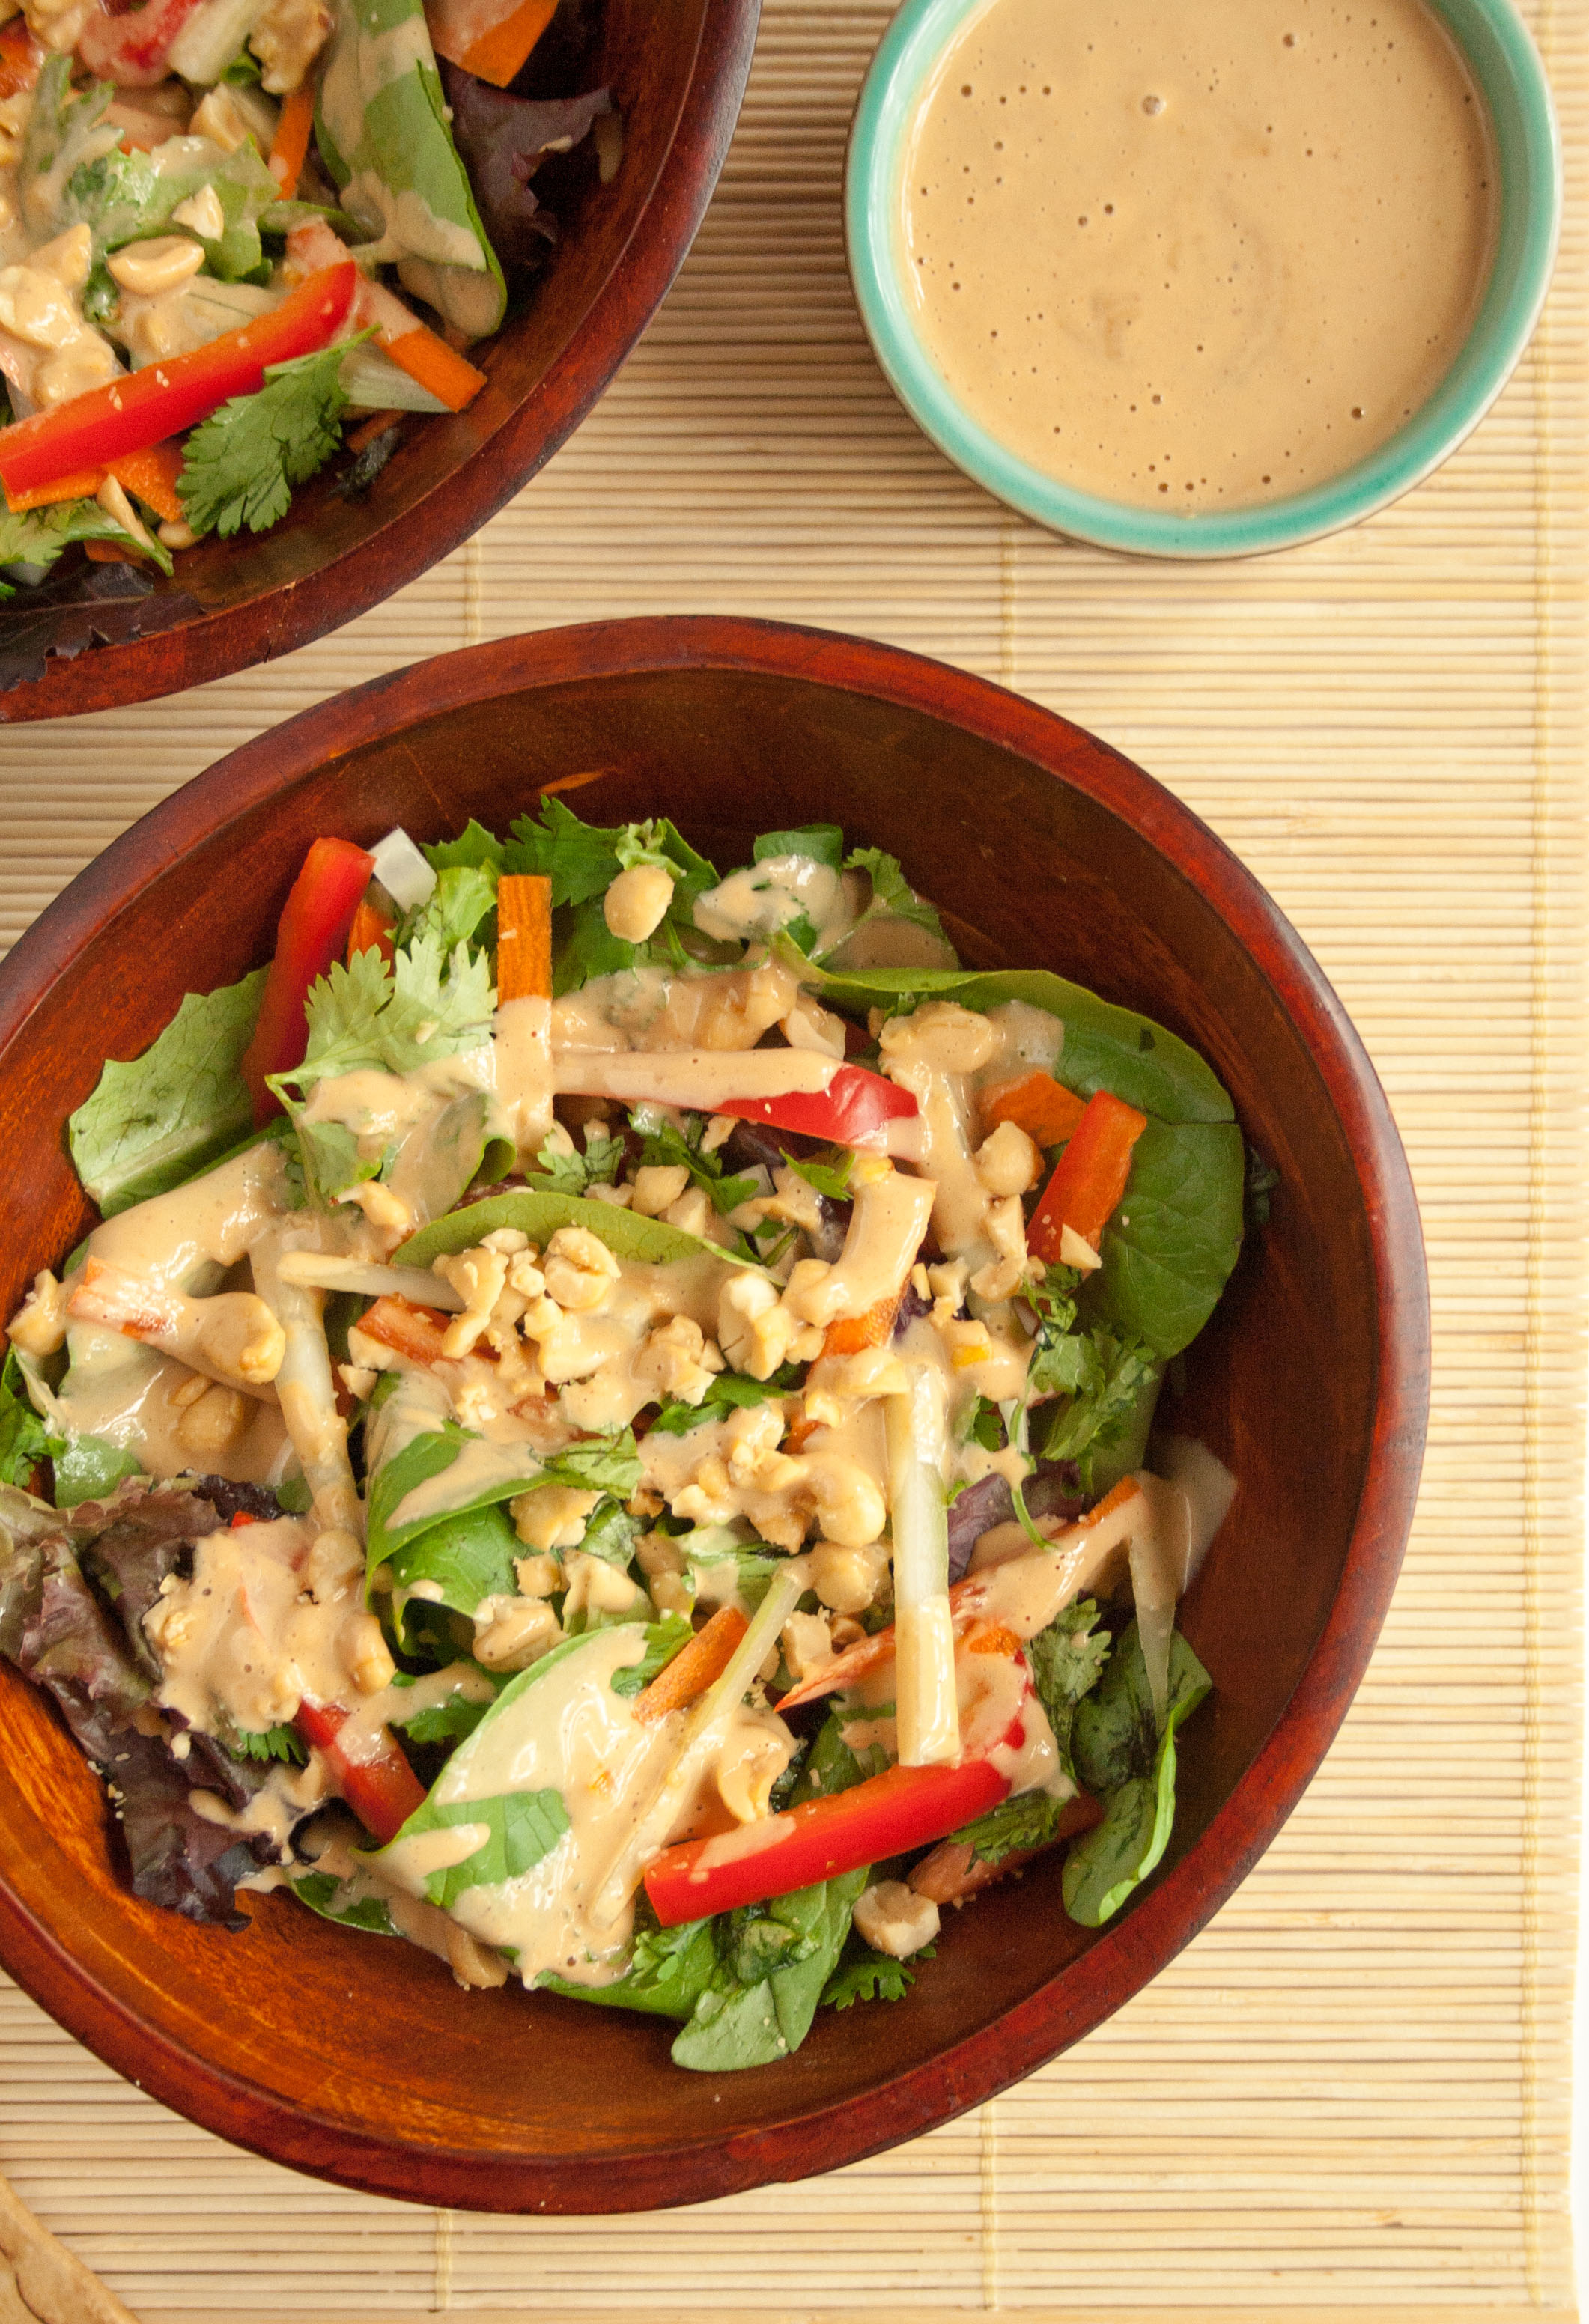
(540, 1212)
(663, 1640)
(356, 1902)
(738, 2023)
(669, 1969)
(448, 1721)
(1169, 1249)
(466, 1557)
(1104, 1046)
(1027, 1821)
(425, 1456)
(519, 1829)
(831, 1765)
(1120, 1753)
(155, 1123)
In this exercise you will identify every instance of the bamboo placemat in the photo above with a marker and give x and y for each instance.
(1349, 2096)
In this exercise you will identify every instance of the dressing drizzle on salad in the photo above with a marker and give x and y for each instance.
(608, 1427)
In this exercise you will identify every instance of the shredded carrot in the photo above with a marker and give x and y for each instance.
(524, 938)
(371, 932)
(408, 1330)
(430, 361)
(290, 145)
(498, 55)
(114, 552)
(80, 486)
(994, 1640)
(1044, 1108)
(1116, 1498)
(151, 476)
(853, 1333)
(695, 1667)
(368, 429)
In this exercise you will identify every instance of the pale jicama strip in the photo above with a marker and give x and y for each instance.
(701, 1079)
(325, 1271)
(1160, 1543)
(232, 1337)
(927, 1704)
(305, 1387)
(703, 1733)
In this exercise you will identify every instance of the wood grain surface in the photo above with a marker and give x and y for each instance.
(1347, 2097)
(1045, 849)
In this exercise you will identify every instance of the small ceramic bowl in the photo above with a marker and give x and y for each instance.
(360, 2059)
(1506, 65)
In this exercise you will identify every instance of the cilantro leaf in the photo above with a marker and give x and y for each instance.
(667, 1145)
(729, 1391)
(38, 536)
(1067, 1661)
(272, 1743)
(464, 895)
(866, 1976)
(1113, 1379)
(597, 1464)
(663, 1640)
(240, 465)
(362, 1013)
(831, 1177)
(610, 1534)
(573, 1174)
(892, 897)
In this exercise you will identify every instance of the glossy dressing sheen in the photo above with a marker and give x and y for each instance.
(1198, 252)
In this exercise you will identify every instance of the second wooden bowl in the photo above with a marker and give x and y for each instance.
(360, 2059)
(676, 74)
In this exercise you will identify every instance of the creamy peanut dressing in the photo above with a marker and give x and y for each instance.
(1189, 254)
(584, 1742)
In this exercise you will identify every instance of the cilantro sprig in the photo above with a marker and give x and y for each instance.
(240, 466)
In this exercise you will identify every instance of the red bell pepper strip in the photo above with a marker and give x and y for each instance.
(21, 57)
(382, 1790)
(1089, 1177)
(312, 930)
(902, 1808)
(854, 1109)
(144, 407)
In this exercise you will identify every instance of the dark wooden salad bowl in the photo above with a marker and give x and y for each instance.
(678, 74)
(359, 2059)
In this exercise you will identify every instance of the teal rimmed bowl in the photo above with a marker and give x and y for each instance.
(1506, 66)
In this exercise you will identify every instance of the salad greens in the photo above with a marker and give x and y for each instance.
(599, 1542)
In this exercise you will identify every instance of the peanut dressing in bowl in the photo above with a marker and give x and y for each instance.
(1194, 253)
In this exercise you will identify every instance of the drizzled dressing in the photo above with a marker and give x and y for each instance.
(1198, 252)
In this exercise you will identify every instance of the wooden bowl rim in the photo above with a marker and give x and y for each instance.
(263, 628)
(1132, 1950)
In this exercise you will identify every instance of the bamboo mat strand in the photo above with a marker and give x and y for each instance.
(1347, 2101)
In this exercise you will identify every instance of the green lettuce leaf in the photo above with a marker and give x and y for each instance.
(154, 1124)
(824, 843)
(24, 1440)
(668, 1972)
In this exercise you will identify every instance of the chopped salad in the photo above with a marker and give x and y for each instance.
(231, 230)
(610, 1427)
